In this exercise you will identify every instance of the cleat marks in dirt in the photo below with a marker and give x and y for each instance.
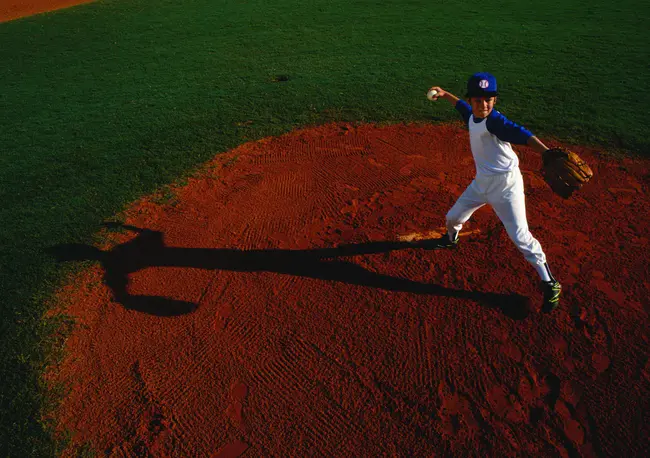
(149, 428)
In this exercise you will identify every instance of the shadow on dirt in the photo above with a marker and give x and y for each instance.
(148, 250)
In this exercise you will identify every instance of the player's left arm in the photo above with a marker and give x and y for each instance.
(508, 131)
(536, 144)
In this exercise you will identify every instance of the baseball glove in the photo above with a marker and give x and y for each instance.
(564, 171)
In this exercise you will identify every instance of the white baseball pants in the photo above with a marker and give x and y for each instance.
(505, 194)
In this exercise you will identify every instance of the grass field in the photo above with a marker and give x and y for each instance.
(108, 101)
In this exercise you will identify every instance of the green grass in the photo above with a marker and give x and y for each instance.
(105, 102)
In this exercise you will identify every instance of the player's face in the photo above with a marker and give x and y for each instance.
(482, 106)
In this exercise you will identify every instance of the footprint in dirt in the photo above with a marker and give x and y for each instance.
(235, 411)
(232, 450)
(556, 402)
(543, 400)
(457, 412)
(551, 386)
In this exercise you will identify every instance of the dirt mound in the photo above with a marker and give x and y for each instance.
(280, 304)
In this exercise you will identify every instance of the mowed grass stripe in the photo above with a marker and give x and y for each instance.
(108, 101)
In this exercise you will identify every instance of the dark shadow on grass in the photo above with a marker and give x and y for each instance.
(148, 250)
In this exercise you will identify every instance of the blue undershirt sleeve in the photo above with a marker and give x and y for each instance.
(464, 109)
(506, 130)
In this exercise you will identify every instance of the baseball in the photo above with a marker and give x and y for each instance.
(431, 94)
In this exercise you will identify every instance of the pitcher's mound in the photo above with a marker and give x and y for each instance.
(289, 302)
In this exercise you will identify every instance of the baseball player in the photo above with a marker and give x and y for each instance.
(498, 180)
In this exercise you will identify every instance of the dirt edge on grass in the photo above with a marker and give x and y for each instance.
(16, 9)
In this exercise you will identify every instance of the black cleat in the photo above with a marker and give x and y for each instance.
(552, 290)
(444, 242)
(434, 244)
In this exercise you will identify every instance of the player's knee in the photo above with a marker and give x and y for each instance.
(520, 235)
(524, 235)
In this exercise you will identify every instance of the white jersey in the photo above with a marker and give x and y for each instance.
(498, 182)
(491, 155)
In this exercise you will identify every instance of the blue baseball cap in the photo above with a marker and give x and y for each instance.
(482, 84)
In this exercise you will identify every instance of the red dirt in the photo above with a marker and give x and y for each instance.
(244, 331)
(15, 9)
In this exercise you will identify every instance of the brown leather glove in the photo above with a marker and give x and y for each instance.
(564, 171)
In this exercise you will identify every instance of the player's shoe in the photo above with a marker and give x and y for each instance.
(434, 244)
(445, 242)
(552, 290)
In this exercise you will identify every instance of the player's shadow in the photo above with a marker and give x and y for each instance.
(148, 250)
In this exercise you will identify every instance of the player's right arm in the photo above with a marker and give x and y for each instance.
(451, 98)
(461, 106)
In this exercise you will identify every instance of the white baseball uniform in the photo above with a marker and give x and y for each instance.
(498, 182)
